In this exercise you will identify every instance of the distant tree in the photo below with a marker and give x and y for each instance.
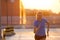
(59, 13)
(46, 13)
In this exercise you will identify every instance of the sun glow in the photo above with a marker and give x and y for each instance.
(22, 14)
(53, 5)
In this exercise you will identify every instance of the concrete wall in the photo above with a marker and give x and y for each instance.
(10, 9)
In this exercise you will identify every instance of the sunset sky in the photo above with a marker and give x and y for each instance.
(53, 5)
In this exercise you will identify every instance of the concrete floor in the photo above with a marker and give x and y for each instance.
(27, 34)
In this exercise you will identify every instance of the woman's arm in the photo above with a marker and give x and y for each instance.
(47, 28)
(35, 29)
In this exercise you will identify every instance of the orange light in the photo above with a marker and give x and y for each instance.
(22, 14)
(53, 5)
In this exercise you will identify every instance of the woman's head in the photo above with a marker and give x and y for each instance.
(39, 15)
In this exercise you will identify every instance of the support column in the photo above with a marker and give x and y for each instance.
(0, 20)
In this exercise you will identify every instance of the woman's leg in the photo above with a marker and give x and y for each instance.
(42, 37)
(37, 37)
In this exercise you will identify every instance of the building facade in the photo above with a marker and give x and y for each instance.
(12, 12)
